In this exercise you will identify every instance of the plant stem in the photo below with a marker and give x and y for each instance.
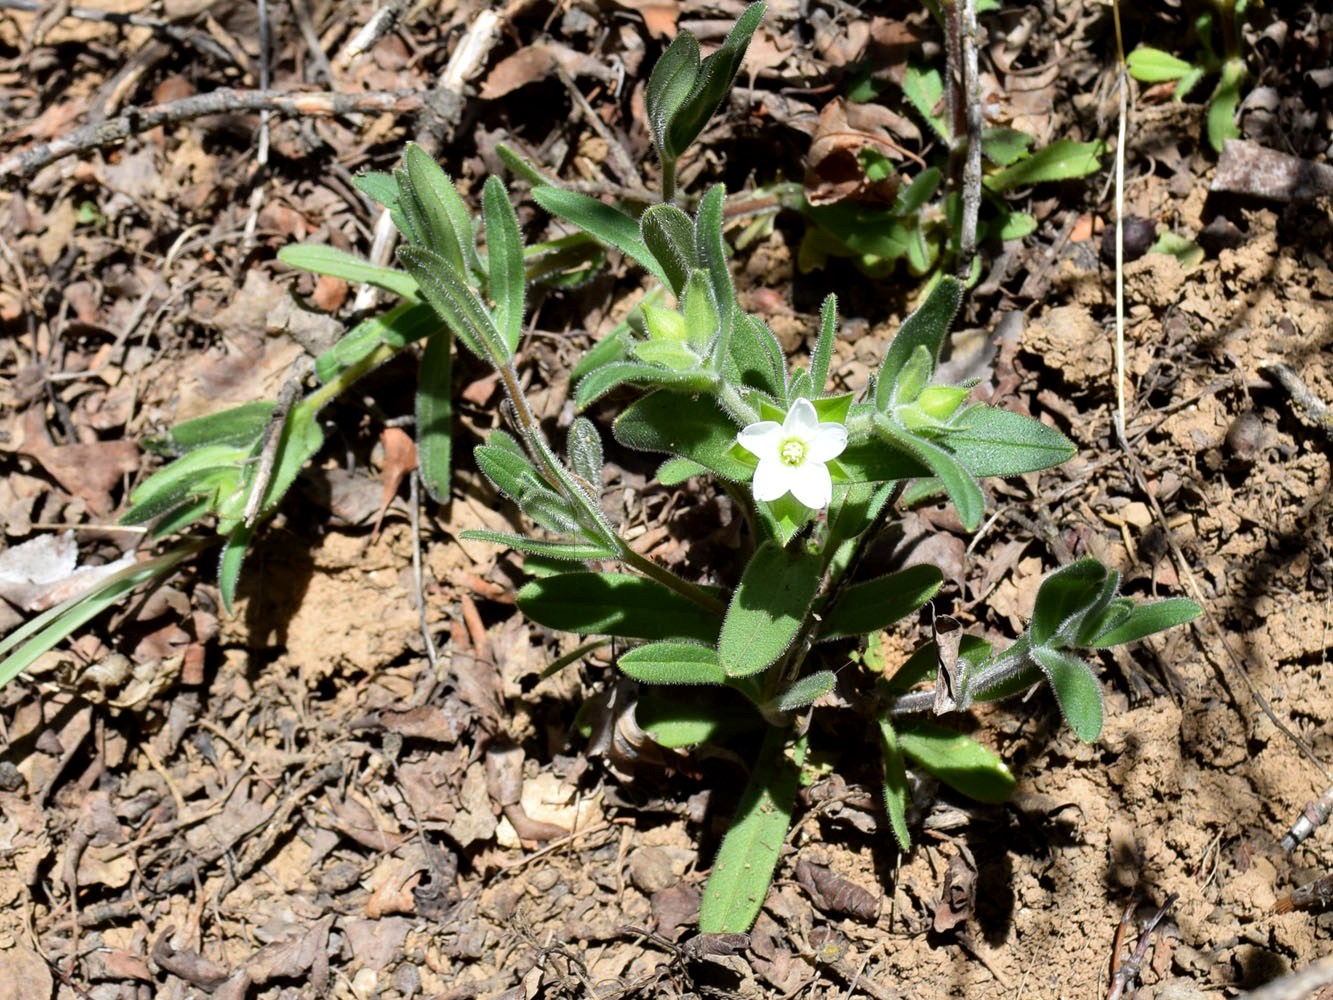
(667, 578)
(668, 180)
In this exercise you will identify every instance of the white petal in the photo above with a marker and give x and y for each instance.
(829, 442)
(772, 480)
(802, 421)
(761, 439)
(814, 486)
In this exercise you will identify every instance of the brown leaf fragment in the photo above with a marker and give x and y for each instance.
(1250, 169)
(90, 471)
(535, 63)
(305, 954)
(833, 893)
(400, 458)
(835, 171)
(188, 965)
(960, 891)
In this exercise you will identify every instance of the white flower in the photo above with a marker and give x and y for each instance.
(793, 455)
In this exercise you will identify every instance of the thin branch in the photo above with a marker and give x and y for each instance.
(138, 120)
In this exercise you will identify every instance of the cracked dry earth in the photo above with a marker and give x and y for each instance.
(308, 800)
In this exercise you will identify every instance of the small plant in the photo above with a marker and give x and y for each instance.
(750, 655)
(1220, 24)
(913, 216)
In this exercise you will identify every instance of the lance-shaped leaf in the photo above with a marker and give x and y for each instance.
(896, 792)
(682, 425)
(1145, 619)
(875, 604)
(767, 609)
(435, 415)
(437, 215)
(575, 551)
(195, 474)
(957, 760)
(445, 289)
(710, 85)
(584, 444)
(601, 381)
(1076, 690)
(404, 324)
(1061, 160)
(229, 565)
(504, 258)
(926, 327)
(669, 235)
(823, 352)
(804, 692)
(673, 663)
(711, 252)
(669, 85)
(239, 426)
(993, 442)
(755, 358)
(1069, 591)
(962, 488)
(320, 258)
(603, 222)
(749, 854)
(632, 607)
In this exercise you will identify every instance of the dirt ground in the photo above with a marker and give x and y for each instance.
(308, 799)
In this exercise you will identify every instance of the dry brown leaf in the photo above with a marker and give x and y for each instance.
(27, 973)
(400, 458)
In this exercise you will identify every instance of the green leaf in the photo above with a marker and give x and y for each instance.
(239, 426)
(435, 415)
(1076, 689)
(504, 255)
(711, 252)
(750, 851)
(23, 645)
(576, 551)
(320, 258)
(404, 324)
(875, 460)
(767, 609)
(585, 452)
(207, 471)
(924, 664)
(603, 222)
(229, 565)
(603, 380)
(1222, 105)
(958, 483)
(805, 691)
(669, 235)
(897, 795)
(989, 441)
(823, 352)
(514, 476)
(673, 663)
(926, 327)
(755, 357)
(457, 304)
(1146, 619)
(380, 187)
(436, 212)
(615, 604)
(669, 84)
(1149, 65)
(1003, 146)
(1014, 225)
(677, 717)
(686, 426)
(674, 471)
(521, 167)
(957, 760)
(924, 88)
(710, 85)
(919, 192)
(1062, 160)
(1069, 591)
(876, 604)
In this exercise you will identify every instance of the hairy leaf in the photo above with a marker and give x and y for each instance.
(767, 609)
(633, 607)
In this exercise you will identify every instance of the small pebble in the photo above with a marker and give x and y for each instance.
(1245, 437)
(1140, 234)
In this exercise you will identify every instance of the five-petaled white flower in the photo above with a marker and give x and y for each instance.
(793, 455)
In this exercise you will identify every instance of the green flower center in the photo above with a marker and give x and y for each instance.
(792, 452)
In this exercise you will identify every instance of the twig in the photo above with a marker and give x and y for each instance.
(1312, 410)
(138, 120)
(1298, 985)
(379, 25)
(1130, 970)
(432, 654)
(272, 438)
(1120, 233)
(175, 32)
(967, 235)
